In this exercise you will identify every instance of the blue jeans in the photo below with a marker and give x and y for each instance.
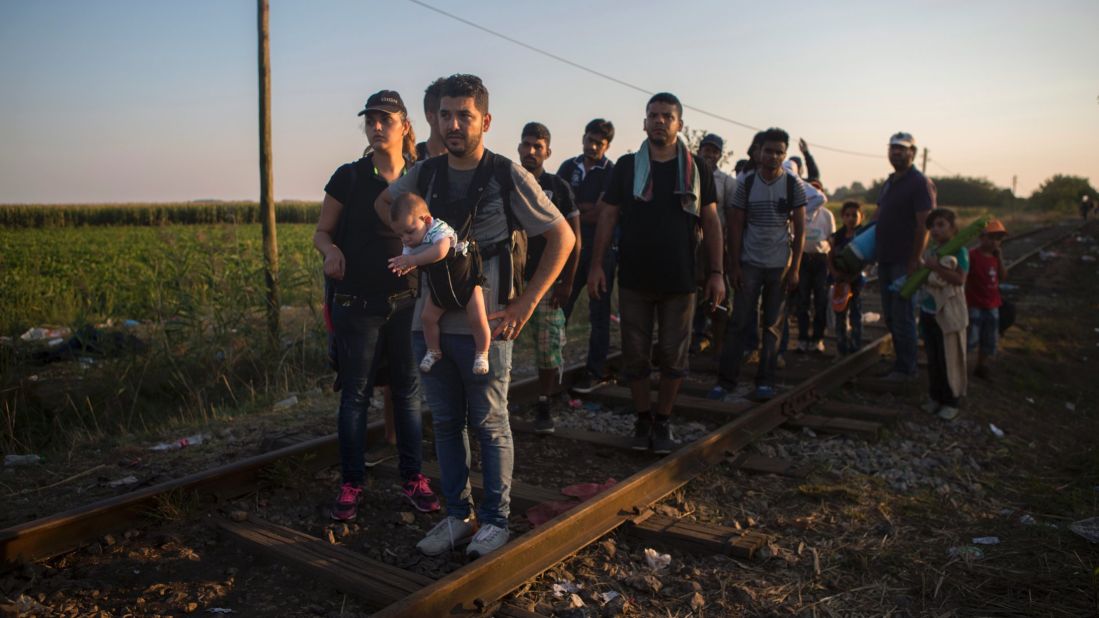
(458, 400)
(900, 317)
(755, 283)
(813, 282)
(984, 330)
(849, 341)
(362, 341)
(599, 311)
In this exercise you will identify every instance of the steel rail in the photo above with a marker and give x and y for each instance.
(479, 584)
(60, 532)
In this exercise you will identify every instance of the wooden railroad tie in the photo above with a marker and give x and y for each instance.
(762, 464)
(701, 409)
(374, 582)
(696, 537)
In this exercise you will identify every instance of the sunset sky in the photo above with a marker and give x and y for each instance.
(120, 101)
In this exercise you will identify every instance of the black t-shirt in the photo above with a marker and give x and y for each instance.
(558, 192)
(586, 187)
(656, 246)
(367, 243)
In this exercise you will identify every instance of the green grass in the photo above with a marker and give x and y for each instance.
(199, 294)
(190, 213)
(72, 276)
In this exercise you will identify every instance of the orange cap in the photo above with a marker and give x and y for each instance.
(994, 227)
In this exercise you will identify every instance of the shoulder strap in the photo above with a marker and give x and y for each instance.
(501, 170)
(749, 180)
(791, 188)
(427, 174)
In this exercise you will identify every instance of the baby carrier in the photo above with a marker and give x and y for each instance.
(451, 280)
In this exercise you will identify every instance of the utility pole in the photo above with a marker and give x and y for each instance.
(266, 177)
(1014, 183)
(924, 160)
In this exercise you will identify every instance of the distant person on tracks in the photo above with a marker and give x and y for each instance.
(982, 295)
(371, 307)
(1085, 206)
(763, 261)
(944, 317)
(847, 292)
(812, 296)
(503, 200)
(901, 235)
(548, 320)
(710, 325)
(588, 175)
(660, 196)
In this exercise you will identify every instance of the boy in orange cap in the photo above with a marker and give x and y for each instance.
(982, 295)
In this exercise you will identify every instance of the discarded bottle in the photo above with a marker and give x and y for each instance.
(21, 460)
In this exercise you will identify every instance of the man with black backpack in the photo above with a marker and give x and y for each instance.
(763, 261)
(502, 203)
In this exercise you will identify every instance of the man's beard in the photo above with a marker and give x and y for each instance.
(468, 145)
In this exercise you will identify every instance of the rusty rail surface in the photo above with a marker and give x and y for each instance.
(55, 534)
(479, 584)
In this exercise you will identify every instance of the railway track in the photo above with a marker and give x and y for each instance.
(479, 586)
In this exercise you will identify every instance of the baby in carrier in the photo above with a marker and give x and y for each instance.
(429, 243)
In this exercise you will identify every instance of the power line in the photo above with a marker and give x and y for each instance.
(942, 167)
(620, 82)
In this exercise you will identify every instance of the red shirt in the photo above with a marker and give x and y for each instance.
(982, 285)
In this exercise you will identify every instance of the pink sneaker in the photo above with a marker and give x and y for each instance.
(347, 504)
(418, 491)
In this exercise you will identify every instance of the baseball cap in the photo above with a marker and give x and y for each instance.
(385, 101)
(994, 226)
(713, 140)
(902, 139)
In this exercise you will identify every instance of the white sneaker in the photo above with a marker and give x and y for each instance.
(817, 347)
(488, 539)
(931, 406)
(448, 534)
(947, 413)
(480, 364)
(430, 358)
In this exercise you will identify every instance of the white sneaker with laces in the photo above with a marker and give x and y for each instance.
(448, 534)
(488, 539)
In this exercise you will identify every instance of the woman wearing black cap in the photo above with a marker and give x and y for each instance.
(371, 308)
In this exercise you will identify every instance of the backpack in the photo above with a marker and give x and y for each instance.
(432, 184)
(791, 185)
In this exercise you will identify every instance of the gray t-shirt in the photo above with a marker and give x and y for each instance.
(766, 241)
(532, 210)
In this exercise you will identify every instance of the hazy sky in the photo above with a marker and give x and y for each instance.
(156, 101)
